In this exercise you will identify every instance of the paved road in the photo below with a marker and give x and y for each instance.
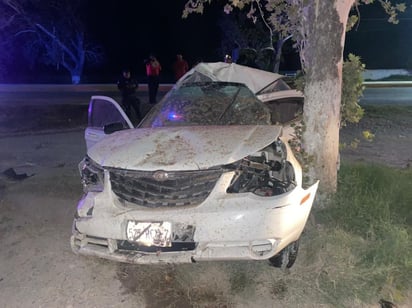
(387, 96)
(43, 94)
(28, 108)
(375, 93)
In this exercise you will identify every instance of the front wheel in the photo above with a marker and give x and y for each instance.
(286, 257)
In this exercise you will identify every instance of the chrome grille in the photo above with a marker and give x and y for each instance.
(179, 188)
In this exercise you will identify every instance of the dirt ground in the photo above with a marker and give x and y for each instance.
(38, 269)
(391, 143)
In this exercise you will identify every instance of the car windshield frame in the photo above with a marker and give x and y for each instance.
(208, 103)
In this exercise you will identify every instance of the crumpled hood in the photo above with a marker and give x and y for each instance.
(181, 148)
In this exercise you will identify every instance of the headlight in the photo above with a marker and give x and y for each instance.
(265, 173)
(91, 174)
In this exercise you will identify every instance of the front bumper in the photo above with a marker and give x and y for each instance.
(227, 227)
(111, 249)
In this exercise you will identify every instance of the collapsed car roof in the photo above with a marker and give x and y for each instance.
(255, 79)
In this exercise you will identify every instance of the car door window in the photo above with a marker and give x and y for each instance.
(103, 112)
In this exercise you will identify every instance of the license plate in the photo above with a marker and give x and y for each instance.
(150, 233)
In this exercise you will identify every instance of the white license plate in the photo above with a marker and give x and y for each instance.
(150, 233)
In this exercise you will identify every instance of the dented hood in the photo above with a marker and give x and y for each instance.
(181, 148)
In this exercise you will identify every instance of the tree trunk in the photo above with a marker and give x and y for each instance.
(279, 46)
(75, 67)
(322, 55)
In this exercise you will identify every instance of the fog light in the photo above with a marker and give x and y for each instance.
(261, 248)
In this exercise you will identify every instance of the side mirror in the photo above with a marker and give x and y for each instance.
(113, 127)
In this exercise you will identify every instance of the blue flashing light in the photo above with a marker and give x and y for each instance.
(174, 117)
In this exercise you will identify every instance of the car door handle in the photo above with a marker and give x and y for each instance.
(92, 135)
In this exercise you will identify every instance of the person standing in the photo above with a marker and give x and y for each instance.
(128, 87)
(235, 52)
(153, 69)
(180, 67)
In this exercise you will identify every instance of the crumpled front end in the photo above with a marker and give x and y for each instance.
(245, 230)
(247, 210)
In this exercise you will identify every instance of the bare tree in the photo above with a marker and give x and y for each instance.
(50, 32)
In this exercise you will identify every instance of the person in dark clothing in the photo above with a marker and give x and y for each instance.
(153, 69)
(128, 87)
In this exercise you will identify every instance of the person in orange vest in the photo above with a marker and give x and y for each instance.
(153, 69)
(180, 67)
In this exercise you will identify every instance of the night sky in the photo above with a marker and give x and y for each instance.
(381, 44)
(129, 30)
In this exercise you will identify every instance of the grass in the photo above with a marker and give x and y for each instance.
(387, 111)
(366, 237)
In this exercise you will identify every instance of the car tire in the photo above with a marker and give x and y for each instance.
(286, 257)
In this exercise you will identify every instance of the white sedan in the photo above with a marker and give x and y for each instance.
(207, 175)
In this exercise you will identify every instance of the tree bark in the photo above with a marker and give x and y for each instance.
(324, 25)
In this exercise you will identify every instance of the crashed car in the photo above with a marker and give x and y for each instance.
(207, 175)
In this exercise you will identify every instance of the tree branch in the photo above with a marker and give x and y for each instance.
(24, 31)
(265, 23)
(57, 40)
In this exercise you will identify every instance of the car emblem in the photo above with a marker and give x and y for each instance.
(160, 176)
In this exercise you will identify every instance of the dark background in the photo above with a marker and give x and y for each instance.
(129, 30)
(380, 44)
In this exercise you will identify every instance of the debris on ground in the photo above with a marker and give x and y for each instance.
(11, 174)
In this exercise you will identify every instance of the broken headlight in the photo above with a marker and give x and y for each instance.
(91, 174)
(265, 173)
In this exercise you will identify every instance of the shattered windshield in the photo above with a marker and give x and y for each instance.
(208, 103)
